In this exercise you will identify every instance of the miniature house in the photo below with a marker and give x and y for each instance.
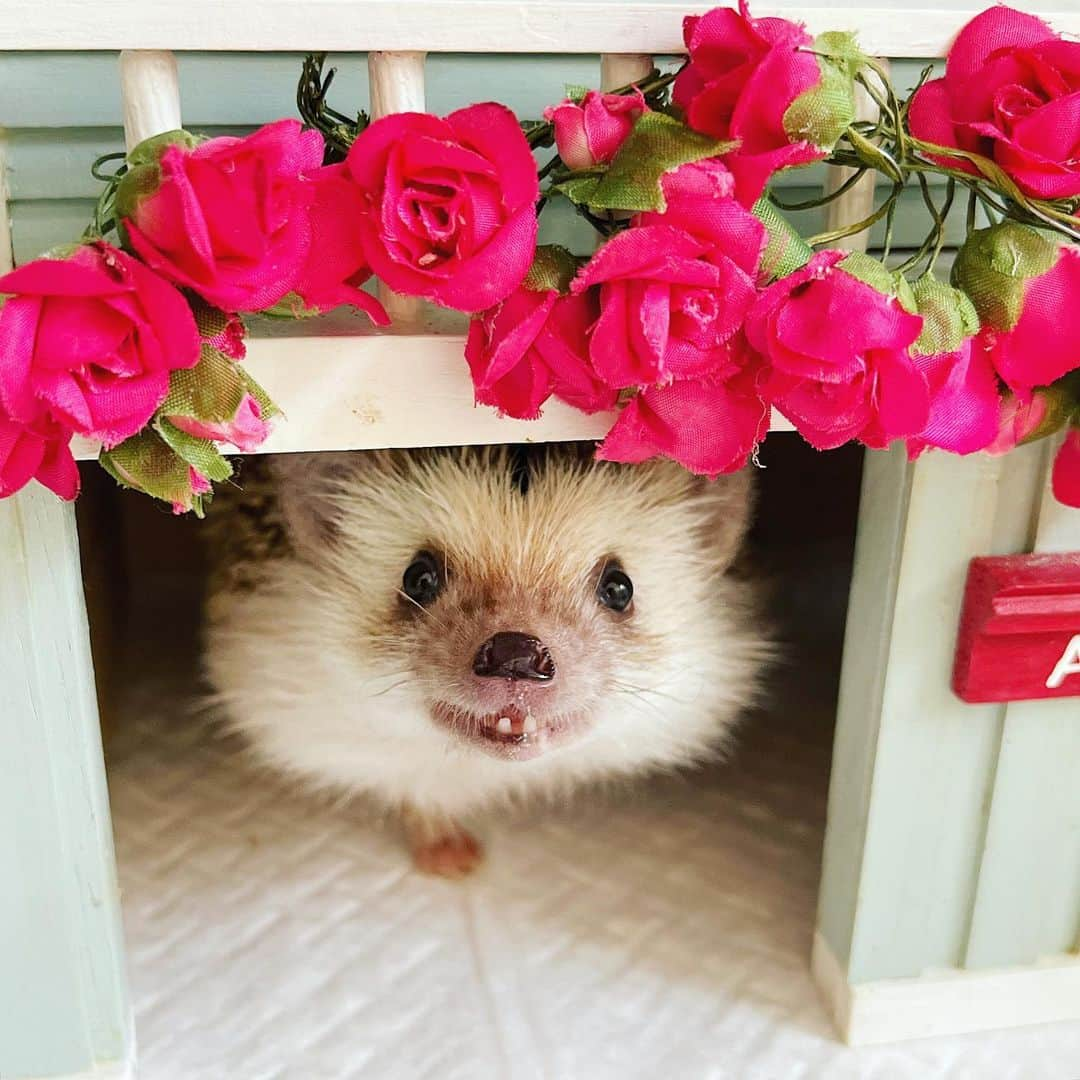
(950, 887)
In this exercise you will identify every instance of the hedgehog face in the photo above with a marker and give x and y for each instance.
(526, 601)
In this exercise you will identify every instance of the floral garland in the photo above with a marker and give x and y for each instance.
(700, 311)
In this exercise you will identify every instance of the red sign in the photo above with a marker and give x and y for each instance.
(1020, 629)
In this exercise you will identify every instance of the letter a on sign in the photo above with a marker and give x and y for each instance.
(1069, 664)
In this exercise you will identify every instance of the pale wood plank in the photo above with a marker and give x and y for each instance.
(590, 26)
(1027, 904)
(357, 391)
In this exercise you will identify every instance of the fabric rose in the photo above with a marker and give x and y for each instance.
(200, 486)
(1011, 92)
(1025, 419)
(247, 430)
(335, 267)
(36, 451)
(1065, 477)
(758, 81)
(669, 304)
(532, 345)
(449, 204)
(700, 200)
(590, 132)
(91, 340)
(965, 403)
(227, 218)
(709, 426)
(839, 351)
(1021, 283)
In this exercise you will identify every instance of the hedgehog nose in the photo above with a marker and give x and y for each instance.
(510, 655)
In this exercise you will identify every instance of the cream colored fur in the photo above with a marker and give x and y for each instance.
(332, 680)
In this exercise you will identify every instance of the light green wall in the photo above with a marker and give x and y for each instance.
(62, 110)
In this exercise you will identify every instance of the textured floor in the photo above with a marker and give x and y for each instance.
(663, 934)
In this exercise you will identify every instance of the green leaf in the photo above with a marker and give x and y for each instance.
(268, 408)
(575, 92)
(658, 144)
(290, 306)
(878, 276)
(137, 183)
(201, 454)
(993, 267)
(553, 267)
(786, 251)
(949, 317)
(146, 463)
(211, 390)
(823, 113)
(149, 151)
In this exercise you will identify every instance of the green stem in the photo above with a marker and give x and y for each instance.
(859, 226)
(824, 200)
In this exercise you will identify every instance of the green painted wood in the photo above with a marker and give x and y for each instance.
(63, 999)
(913, 766)
(1028, 900)
(65, 90)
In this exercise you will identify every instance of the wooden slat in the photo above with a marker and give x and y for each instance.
(1027, 904)
(150, 94)
(396, 81)
(371, 391)
(590, 26)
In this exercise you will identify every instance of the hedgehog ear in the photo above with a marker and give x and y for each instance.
(307, 486)
(729, 502)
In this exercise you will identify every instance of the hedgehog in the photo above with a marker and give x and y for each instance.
(446, 631)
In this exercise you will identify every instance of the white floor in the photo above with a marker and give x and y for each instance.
(663, 934)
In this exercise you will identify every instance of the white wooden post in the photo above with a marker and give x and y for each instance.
(397, 85)
(64, 1008)
(857, 203)
(150, 92)
(621, 69)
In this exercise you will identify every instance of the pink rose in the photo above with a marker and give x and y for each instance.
(335, 267)
(247, 430)
(743, 77)
(1020, 283)
(36, 451)
(1020, 420)
(227, 218)
(533, 345)
(669, 305)
(965, 402)
(590, 132)
(1011, 92)
(709, 426)
(200, 486)
(1065, 478)
(700, 200)
(449, 205)
(838, 347)
(91, 339)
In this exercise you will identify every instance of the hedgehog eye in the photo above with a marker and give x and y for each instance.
(422, 581)
(614, 590)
